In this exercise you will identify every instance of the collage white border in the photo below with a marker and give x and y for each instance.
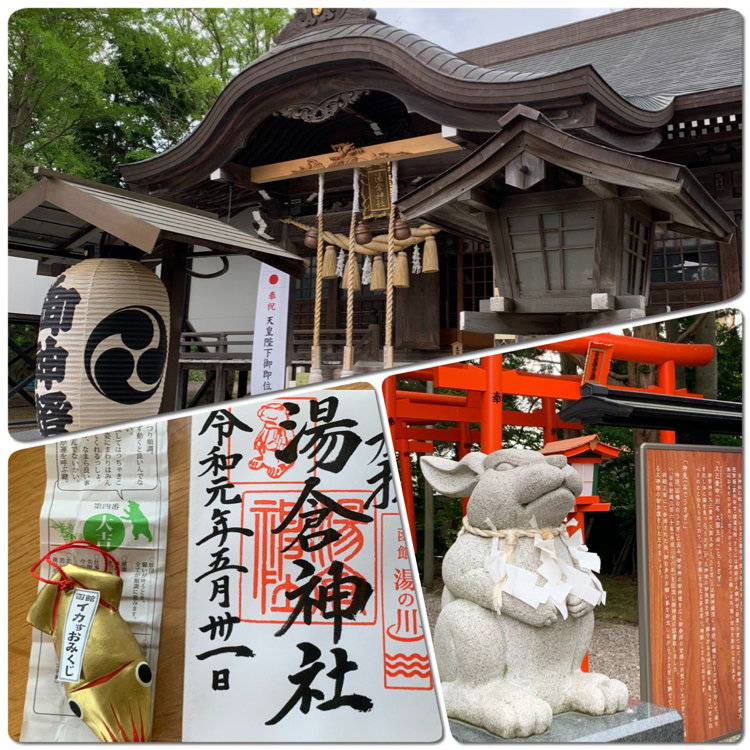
(10, 445)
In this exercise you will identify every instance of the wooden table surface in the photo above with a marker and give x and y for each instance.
(26, 480)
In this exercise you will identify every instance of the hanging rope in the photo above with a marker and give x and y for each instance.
(351, 261)
(391, 257)
(319, 267)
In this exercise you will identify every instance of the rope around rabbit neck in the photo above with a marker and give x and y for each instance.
(512, 535)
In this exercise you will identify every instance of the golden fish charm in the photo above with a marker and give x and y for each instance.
(113, 694)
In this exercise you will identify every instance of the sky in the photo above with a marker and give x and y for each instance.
(459, 29)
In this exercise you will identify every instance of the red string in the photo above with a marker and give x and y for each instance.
(65, 582)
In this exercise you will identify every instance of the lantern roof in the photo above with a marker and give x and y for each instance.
(584, 446)
(61, 214)
(458, 198)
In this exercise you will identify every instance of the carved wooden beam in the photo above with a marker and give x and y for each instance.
(347, 156)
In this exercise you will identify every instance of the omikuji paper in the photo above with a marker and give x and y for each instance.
(302, 616)
(111, 489)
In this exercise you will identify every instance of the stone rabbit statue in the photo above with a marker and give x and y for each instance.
(517, 616)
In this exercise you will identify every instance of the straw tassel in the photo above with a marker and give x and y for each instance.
(401, 276)
(377, 281)
(356, 281)
(329, 263)
(430, 256)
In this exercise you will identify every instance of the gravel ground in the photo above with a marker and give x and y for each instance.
(614, 648)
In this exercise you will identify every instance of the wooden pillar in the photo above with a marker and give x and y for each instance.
(666, 382)
(492, 404)
(429, 537)
(289, 352)
(548, 411)
(389, 395)
(174, 276)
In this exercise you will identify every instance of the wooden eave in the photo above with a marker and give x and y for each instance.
(668, 187)
(57, 216)
(429, 80)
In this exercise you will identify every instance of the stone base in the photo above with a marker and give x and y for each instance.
(639, 722)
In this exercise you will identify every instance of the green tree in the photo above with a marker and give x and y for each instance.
(90, 88)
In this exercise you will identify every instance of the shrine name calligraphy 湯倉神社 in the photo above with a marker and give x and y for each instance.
(300, 588)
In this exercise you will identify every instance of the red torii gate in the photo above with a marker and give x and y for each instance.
(411, 413)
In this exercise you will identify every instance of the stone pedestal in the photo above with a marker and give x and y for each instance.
(639, 722)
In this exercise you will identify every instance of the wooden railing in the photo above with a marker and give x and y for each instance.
(210, 351)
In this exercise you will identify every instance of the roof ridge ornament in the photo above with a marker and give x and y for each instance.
(306, 20)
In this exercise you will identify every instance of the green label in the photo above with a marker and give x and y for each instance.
(105, 530)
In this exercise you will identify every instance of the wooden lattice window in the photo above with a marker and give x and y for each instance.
(635, 245)
(478, 277)
(678, 259)
(466, 277)
(553, 250)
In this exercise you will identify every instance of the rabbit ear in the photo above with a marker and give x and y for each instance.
(453, 478)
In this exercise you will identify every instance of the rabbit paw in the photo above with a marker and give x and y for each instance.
(596, 694)
(499, 707)
(578, 607)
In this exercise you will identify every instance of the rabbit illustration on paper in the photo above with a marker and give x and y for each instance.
(272, 437)
(517, 615)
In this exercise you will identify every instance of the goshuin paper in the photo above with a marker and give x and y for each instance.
(111, 489)
(302, 615)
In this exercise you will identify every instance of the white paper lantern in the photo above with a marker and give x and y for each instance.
(102, 349)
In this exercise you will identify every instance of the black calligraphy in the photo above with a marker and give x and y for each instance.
(305, 693)
(219, 627)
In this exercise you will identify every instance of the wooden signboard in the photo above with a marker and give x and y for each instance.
(689, 515)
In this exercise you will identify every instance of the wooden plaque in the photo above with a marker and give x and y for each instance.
(689, 514)
(375, 190)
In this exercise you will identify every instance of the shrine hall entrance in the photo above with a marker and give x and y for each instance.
(427, 313)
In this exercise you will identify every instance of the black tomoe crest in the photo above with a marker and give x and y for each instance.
(128, 346)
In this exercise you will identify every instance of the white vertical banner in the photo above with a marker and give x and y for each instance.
(269, 334)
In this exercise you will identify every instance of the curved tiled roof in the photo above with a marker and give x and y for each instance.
(447, 63)
(682, 56)
(451, 90)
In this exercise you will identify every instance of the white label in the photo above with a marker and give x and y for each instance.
(80, 616)
(269, 335)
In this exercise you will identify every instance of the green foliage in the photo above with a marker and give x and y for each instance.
(729, 354)
(91, 88)
(622, 600)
